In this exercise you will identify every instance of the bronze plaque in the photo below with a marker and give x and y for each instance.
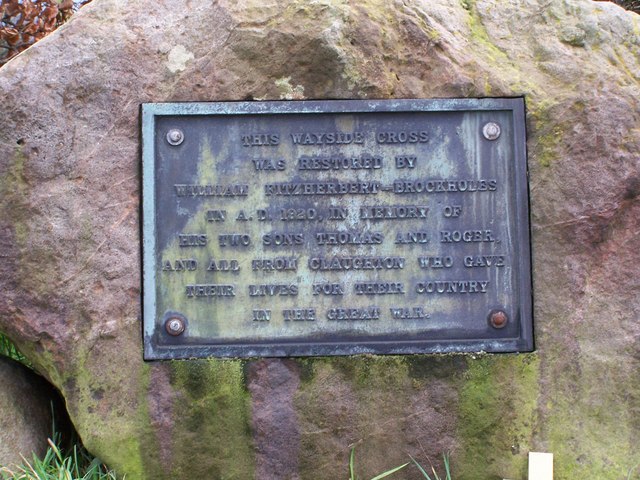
(335, 228)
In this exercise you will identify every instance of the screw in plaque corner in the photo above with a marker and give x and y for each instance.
(498, 319)
(174, 326)
(175, 136)
(491, 131)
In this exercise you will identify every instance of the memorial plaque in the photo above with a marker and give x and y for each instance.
(335, 228)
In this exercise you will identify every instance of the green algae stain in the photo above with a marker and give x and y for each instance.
(592, 422)
(107, 430)
(213, 420)
(13, 187)
(210, 417)
(307, 370)
(35, 261)
(424, 367)
(546, 132)
(370, 371)
(588, 443)
(480, 36)
(497, 416)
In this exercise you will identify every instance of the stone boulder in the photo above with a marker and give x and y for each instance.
(70, 279)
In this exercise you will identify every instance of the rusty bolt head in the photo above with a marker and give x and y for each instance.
(498, 319)
(174, 326)
(175, 136)
(491, 130)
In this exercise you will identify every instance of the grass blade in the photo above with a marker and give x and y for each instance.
(351, 463)
(389, 472)
(8, 349)
(422, 470)
(446, 466)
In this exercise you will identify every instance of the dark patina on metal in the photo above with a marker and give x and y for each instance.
(335, 228)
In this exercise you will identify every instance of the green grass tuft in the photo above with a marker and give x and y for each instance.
(77, 464)
(8, 349)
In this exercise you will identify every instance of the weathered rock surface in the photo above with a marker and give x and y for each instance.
(25, 413)
(70, 252)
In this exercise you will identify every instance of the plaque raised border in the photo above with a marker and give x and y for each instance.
(164, 332)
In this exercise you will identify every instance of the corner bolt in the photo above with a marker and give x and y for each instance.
(491, 131)
(174, 326)
(175, 136)
(498, 319)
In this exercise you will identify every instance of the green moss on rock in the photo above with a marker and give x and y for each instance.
(497, 416)
(107, 428)
(35, 261)
(203, 448)
(547, 132)
(480, 36)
